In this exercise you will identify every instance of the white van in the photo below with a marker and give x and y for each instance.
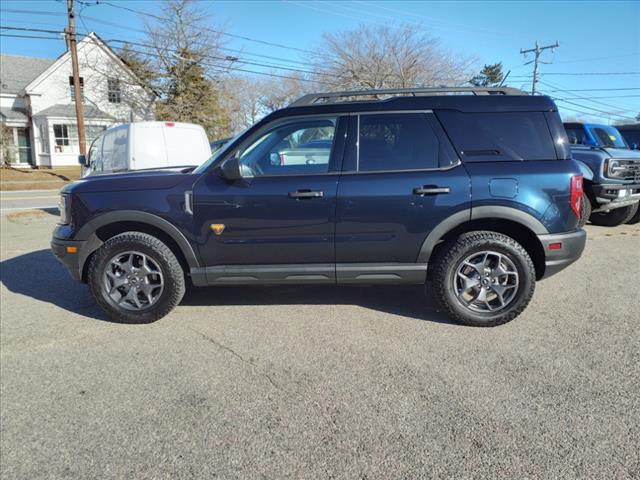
(143, 145)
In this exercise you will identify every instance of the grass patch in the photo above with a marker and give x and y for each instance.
(28, 216)
(27, 179)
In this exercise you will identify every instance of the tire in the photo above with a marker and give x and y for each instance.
(473, 245)
(614, 217)
(585, 210)
(144, 276)
(635, 218)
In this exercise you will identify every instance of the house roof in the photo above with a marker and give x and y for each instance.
(69, 111)
(17, 72)
(8, 114)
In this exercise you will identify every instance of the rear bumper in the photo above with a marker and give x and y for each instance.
(615, 195)
(561, 250)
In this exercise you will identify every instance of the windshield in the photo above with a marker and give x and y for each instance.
(608, 136)
(217, 154)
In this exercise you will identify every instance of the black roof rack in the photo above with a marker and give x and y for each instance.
(333, 97)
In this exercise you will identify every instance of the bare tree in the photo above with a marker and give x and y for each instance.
(185, 53)
(7, 146)
(247, 99)
(388, 57)
(277, 93)
(240, 97)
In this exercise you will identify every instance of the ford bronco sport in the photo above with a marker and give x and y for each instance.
(472, 190)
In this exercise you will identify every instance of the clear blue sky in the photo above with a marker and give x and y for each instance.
(596, 37)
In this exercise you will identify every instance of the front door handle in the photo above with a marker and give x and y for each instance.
(430, 190)
(306, 194)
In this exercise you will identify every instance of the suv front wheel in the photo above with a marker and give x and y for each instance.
(136, 278)
(484, 278)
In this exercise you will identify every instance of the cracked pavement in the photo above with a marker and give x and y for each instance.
(309, 382)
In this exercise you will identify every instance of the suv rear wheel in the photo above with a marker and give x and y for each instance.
(585, 210)
(136, 278)
(484, 279)
(615, 217)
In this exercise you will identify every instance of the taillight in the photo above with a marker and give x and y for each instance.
(576, 194)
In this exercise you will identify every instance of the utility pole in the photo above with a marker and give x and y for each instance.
(71, 41)
(538, 51)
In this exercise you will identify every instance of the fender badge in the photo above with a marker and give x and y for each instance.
(217, 228)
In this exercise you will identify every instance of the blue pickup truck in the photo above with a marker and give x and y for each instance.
(611, 171)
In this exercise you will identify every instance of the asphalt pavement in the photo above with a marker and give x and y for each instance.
(310, 382)
(17, 200)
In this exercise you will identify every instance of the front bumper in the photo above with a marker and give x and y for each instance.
(615, 195)
(561, 250)
(70, 260)
(75, 259)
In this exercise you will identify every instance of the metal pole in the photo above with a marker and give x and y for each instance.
(71, 37)
(538, 51)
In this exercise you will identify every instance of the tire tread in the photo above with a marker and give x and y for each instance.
(163, 254)
(465, 243)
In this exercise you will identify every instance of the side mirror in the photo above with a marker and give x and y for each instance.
(634, 146)
(82, 160)
(230, 169)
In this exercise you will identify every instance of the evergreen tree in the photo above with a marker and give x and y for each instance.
(489, 76)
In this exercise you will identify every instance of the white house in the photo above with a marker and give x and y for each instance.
(37, 101)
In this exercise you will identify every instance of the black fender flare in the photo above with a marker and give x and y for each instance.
(88, 230)
(463, 216)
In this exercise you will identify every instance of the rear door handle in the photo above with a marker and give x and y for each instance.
(306, 194)
(430, 190)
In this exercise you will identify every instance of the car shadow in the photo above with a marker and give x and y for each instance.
(39, 275)
(402, 300)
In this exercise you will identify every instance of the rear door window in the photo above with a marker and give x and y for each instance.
(401, 141)
(512, 136)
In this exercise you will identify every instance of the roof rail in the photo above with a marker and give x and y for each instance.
(332, 97)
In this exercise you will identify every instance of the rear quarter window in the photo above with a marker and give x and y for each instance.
(512, 136)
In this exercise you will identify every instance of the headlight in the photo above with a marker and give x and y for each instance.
(616, 168)
(64, 205)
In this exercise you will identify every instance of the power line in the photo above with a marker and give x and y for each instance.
(218, 32)
(598, 89)
(609, 105)
(33, 12)
(17, 35)
(592, 98)
(590, 73)
(600, 58)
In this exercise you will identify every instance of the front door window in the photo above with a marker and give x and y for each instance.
(301, 147)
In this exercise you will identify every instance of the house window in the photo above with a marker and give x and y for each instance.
(44, 138)
(114, 92)
(73, 91)
(61, 135)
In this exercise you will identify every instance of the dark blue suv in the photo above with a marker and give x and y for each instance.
(471, 190)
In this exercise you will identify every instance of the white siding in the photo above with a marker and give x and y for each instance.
(51, 88)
